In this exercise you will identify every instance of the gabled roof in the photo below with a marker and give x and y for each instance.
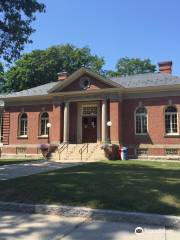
(147, 80)
(80, 72)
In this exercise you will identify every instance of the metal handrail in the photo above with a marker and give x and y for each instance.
(62, 148)
(84, 147)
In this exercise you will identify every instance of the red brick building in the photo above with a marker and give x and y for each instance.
(142, 112)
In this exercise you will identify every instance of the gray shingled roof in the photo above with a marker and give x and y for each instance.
(147, 80)
(36, 91)
(133, 81)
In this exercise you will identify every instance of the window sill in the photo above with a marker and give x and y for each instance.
(172, 135)
(141, 134)
(23, 137)
(43, 136)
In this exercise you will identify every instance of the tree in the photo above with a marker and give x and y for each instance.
(131, 66)
(1, 77)
(16, 17)
(41, 66)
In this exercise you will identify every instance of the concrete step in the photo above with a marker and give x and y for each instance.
(72, 153)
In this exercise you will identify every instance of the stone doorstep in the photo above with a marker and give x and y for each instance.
(94, 214)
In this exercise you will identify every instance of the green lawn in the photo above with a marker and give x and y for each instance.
(14, 161)
(141, 186)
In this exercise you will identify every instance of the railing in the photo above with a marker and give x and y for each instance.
(61, 149)
(83, 149)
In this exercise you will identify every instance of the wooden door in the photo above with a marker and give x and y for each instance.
(89, 129)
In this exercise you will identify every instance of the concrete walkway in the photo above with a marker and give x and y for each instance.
(50, 227)
(24, 169)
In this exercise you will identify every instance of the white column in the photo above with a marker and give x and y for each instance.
(66, 123)
(104, 121)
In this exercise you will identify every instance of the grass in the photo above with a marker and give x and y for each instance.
(14, 161)
(152, 187)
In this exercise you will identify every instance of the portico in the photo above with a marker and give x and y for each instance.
(89, 118)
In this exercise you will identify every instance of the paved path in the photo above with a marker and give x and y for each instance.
(25, 169)
(15, 226)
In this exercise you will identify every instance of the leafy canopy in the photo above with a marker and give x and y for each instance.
(41, 66)
(16, 17)
(131, 66)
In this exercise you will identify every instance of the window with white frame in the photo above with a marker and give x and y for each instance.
(141, 121)
(171, 124)
(23, 125)
(90, 110)
(44, 119)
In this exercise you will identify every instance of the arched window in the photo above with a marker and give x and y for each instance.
(44, 119)
(171, 124)
(141, 121)
(23, 125)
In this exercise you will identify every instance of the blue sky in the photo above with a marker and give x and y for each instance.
(113, 28)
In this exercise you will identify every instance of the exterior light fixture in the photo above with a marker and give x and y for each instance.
(109, 123)
(48, 125)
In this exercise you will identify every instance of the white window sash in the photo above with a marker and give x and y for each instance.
(23, 127)
(44, 120)
(171, 114)
(141, 117)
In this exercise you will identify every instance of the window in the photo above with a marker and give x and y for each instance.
(23, 125)
(89, 111)
(141, 151)
(20, 150)
(44, 119)
(171, 151)
(171, 126)
(141, 121)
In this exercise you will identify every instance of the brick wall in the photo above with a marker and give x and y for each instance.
(10, 127)
(122, 130)
(115, 115)
(156, 130)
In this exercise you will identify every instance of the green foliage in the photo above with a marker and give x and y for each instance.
(41, 66)
(16, 17)
(2, 75)
(131, 66)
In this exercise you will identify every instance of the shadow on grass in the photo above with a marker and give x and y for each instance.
(130, 186)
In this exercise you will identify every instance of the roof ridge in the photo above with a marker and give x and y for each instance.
(139, 74)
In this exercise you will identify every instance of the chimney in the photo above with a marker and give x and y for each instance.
(165, 67)
(62, 76)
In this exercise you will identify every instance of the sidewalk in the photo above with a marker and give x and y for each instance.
(30, 168)
(22, 226)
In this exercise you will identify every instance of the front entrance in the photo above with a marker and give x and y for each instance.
(89, 129)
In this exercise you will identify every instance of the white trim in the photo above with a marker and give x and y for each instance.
(81, 72)
(23, 136)
(170, 114)
(39, 125)
(43, 136)
(79, 119)
(141, 114)
(19, 125)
